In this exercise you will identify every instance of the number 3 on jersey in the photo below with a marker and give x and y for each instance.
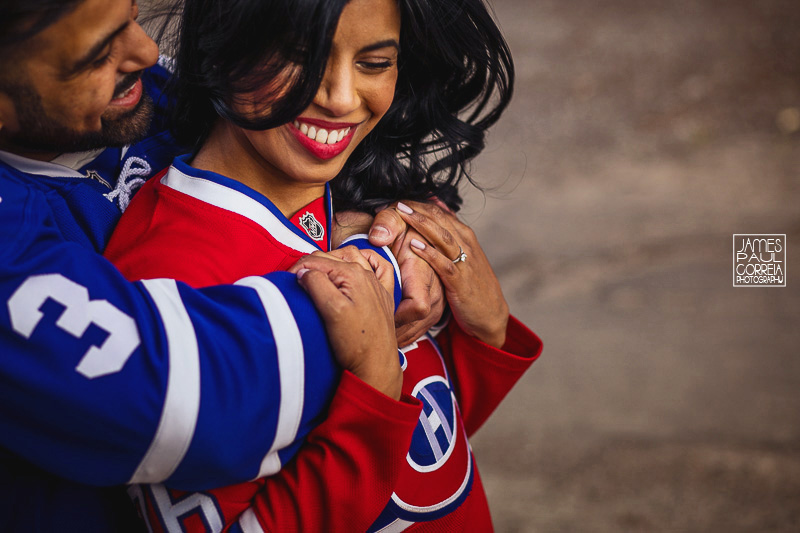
(80, 312)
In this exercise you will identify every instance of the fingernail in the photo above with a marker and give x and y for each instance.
(301, 272)
(419, 245)
(404, 208)
(379, 232)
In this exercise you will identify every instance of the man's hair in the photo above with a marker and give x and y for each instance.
(22, 19)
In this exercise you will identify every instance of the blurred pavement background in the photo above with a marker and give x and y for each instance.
(641, 137)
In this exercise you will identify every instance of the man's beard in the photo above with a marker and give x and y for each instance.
(40, 133)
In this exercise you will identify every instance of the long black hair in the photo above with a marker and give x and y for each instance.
(455, 77)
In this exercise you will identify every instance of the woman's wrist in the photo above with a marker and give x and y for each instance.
(383, 377)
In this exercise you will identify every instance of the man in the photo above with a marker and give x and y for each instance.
(103, 381)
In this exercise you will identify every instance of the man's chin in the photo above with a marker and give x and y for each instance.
(43, 136)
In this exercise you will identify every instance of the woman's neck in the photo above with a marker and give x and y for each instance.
(228, 153)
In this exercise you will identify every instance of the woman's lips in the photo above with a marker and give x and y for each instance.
(323, 139)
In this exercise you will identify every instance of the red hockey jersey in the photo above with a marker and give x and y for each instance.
(205, 229)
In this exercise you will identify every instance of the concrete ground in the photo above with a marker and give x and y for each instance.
(642, 136)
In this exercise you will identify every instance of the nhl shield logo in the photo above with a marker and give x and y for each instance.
(312, 226)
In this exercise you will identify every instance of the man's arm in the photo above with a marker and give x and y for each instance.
(106, 381)
(340, 480)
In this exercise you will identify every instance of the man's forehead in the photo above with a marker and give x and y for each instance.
(76, 33)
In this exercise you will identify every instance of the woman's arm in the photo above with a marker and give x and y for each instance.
(486, 349)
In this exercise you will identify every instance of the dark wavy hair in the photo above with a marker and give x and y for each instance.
(455, 77)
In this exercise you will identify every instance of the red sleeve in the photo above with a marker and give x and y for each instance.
(344, 476)
(483, 375)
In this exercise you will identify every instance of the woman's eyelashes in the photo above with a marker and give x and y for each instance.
(377, 65)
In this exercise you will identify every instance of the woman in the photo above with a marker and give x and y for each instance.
(366, 95)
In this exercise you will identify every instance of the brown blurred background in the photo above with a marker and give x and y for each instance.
(642, 136)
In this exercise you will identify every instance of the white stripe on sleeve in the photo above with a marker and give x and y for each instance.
(249, 523)
(385, 249)
(182, 400)
(291, 367)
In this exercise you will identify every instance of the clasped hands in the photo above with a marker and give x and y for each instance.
(440, 262)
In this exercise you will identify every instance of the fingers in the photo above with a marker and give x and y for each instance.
(423, 295)
(368, 260)
(441, 264)
(421, 291)
(408, 333)
(318, 261)
(351, 254)
(387, 226)
(320, 289)
(383, 269)
(433, 224)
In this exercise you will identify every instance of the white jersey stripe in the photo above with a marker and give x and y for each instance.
(396, 527)
(291, 368)
(385, 249)
(237, 202)
(182, 400)
(249, 523)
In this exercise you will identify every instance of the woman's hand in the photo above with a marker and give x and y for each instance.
(471, 287)
(358, 310)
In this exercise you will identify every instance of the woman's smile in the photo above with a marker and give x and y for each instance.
(324, 139)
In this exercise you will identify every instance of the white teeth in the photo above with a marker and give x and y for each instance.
(124, 93)
(321, 135)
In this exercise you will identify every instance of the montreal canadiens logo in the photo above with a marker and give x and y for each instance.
(435, 435)
(439, 473)
(312, 226)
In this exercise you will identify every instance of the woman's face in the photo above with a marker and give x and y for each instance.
(356, 91)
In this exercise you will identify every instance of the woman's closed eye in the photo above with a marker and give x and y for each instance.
(376, 65)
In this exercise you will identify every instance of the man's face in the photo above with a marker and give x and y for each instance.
(76, 84)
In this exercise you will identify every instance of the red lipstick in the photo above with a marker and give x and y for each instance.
(320, 150)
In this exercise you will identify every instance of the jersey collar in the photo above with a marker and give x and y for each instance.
(39, 168)
(231, 195)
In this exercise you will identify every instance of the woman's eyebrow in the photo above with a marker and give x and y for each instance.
(388, 43)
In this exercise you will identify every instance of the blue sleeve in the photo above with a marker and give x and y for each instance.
(104, 381)
(361, 241)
